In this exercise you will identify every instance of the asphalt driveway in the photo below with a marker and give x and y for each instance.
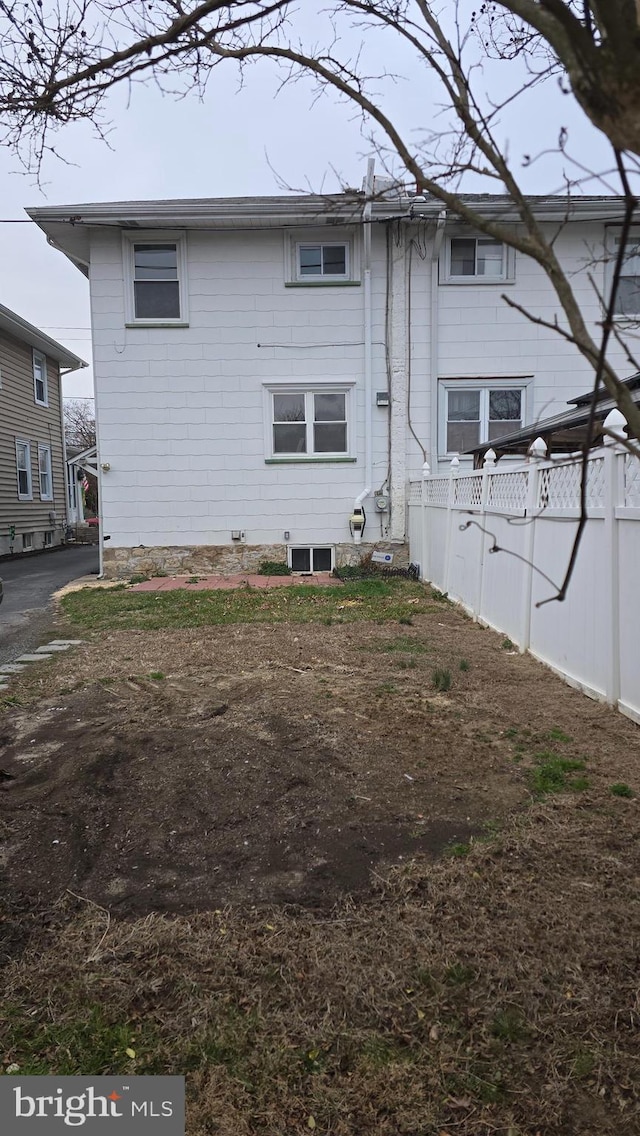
(29, 583)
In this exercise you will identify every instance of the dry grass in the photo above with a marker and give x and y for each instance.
(480, 995)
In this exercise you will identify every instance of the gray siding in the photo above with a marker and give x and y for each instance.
(22, 418)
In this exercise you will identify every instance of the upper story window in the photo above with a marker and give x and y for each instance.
(328, 261)
(313, 261)
(23, 470)
(156, 280)
(473, 260)
(628, 292)
(40, 385)
(473, 413)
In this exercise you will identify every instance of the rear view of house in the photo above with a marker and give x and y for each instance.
(272, 371)
(33, 494)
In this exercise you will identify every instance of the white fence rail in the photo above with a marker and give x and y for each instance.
(498, 542)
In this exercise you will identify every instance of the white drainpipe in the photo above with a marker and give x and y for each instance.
(368, 335)
(433, 353)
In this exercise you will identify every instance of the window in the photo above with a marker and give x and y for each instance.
(314, 259)
(311, 559)
(473, 414)
(23, 468)
(47, 539)
(628, 293)
(40, 391)
(328, 261)
(27, 542)
(472, 260)
(44, 470)
(156, 279)
(311, 423)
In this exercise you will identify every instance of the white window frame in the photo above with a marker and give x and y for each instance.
(507, 276)
(47, 538)
(155, 237)
(38, 358)
(612, 240)
(346, 237)
(45, 448)
(309, 390)
(311, 548)
(27, 542)
(484, 386)
(28, 496)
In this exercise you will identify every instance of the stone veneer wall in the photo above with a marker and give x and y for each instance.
(223, 559)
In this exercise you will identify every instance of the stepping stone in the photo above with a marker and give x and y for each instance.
(51, 647)
(11, 668)
(31, 658)
(64, 643)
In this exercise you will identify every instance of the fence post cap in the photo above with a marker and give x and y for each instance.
(490, 457)
(616, 424)
(455, 462)
(426, 469)
(538, 449)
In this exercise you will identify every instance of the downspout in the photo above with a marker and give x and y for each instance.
(433, 353)
(368, 335)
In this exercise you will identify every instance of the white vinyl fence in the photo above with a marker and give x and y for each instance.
(498, 541)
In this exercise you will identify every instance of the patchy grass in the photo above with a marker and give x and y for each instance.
(106, 609)
(463, 665)
(441, 679)
(558, 735)
(620, 789)
(406, 645)
(550, 774)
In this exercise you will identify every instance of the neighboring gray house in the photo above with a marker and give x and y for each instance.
(33, 487)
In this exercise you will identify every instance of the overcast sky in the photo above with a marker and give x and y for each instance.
(228, 145)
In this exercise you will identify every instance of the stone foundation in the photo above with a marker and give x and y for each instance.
(224, 559)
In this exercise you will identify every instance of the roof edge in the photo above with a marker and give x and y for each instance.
(21, 329)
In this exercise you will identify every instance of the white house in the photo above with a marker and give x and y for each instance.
(264, 365)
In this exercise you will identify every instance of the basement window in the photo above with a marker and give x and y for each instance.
(307, 560)
(27, 542)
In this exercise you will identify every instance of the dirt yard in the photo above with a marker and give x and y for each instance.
(363, 878)
(177, 771)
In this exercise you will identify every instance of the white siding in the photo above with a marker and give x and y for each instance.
(181, 409)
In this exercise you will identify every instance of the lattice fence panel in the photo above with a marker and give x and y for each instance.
(437, 491)
(468, 490)
(631, 481)
(560, 487)
(596, 483)
(508, 490)
(415, 492)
